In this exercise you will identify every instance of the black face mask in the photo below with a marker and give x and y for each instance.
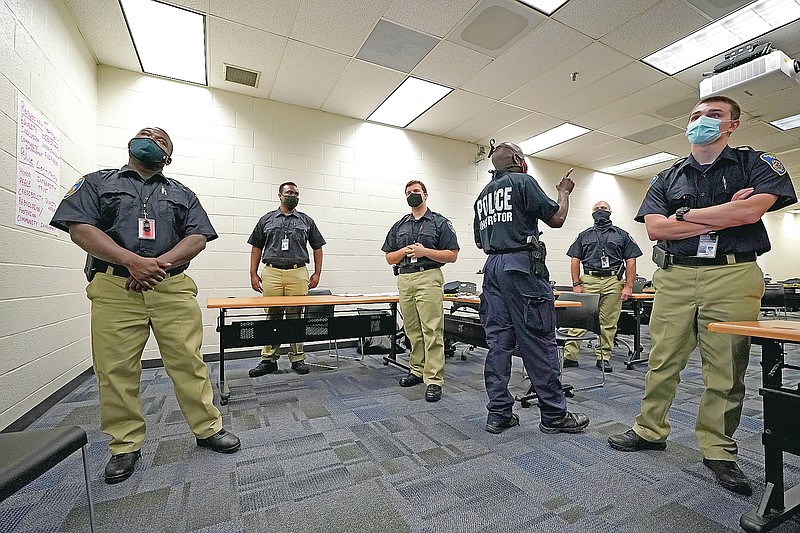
(290, 202)
(414, 199)
(602, 218)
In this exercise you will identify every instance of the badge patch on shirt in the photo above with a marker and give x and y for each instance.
(652, 181)
(72, 190)
(774, 163)
(450, 225)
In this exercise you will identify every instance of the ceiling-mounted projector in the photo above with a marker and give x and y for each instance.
(760, 77)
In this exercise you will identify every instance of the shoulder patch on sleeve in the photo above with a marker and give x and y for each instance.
(450, 225)
(72, 190)
(652, 181)
(774, 163)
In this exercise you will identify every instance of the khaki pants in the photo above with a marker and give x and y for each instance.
(423, 320)
(610, 290)
(687, 300)
(121, 324)
(277, 282)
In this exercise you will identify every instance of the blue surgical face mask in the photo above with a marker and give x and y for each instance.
(147, 151)
(703, 130)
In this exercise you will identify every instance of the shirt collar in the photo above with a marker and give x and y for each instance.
(127, 170)
(727, 153)
(427, 215)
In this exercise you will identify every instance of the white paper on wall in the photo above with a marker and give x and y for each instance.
(38, 165)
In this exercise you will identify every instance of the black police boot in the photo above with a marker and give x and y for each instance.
(120, 466)
(301, 367)
(263, 368)
(571, 423)
(222, 441)
(630, 441)
(433, 393)
(498, 426)
(730, 476)
(410, 380)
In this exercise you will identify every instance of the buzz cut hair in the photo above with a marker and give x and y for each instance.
(736, 111)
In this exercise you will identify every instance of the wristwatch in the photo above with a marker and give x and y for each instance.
(576, 283)
(681, 212)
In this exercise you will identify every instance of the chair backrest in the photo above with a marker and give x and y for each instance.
(587, 316)
(319, 310)
(639, 283)
(774, 298)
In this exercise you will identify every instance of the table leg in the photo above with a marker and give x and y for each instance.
(391, 359)
(222, 386)
(636, 355)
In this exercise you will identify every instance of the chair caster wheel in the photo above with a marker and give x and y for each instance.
(525, 404)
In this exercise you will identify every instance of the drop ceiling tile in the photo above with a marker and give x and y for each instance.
(307, 75)
(435, 18)
(341, 26)
(548, 45)
(361, 89)
(592, 153)
(625, 81)
(494, 26)
(452, 110)
(592, 63)
(677, 145)
(274, 16)
(487, 121)
(533, 124)
(631, 125)
(573, 146)
(105, 31)
(234, 44)
(654, 134)
(596, 18)
(393, 46)
(451, 64)
(648, 32)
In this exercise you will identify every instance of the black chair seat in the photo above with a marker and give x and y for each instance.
(29, 454)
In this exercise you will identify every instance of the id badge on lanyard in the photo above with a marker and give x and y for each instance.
(707, 247)
(147, 229)
(604, 263)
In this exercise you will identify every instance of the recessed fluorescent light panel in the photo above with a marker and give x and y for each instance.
(557, 135)
(640, 163)
(739, 27)
(410, 100)
(787, 123)
(170, 41)
(545, 6)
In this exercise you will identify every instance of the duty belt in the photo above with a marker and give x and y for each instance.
(122, 272)
(285, 267)
(409, 269)
(601, 273)
(727, 259)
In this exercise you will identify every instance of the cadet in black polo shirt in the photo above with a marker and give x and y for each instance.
(517, 307)
(608, 254)
(279, 241)
(141, 229)
(418, 245)
(705, 212)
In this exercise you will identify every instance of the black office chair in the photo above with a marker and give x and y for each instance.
(774, 300)
(26, 455)
(322, 313)
(586, 317)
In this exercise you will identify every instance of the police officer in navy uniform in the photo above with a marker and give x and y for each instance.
(705, 212)
(418, 246)
(608, 254)
(140, 230)
(516, 308)
(279, 241)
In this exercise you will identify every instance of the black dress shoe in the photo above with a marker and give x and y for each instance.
(222, 441)
(630, 441)
(433, 393)
(730, 476)
(410, 380)
(605, 366)
(571, 423)
(120, 466)
(569, 363)
(263, 368)
(498, 426)
(301, 367)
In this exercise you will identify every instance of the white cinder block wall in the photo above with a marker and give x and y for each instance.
(44, 326)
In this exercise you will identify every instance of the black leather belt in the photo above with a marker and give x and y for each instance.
(728, 259)
(122, 272)
(285, 267)
(410, 269)
(602, 273)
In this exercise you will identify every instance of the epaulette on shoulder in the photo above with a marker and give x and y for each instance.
(746, 148)
(679, 162)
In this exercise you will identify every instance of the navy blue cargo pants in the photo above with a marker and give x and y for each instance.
(517, 310)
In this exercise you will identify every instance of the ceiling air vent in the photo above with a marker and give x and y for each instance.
(241, 76)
